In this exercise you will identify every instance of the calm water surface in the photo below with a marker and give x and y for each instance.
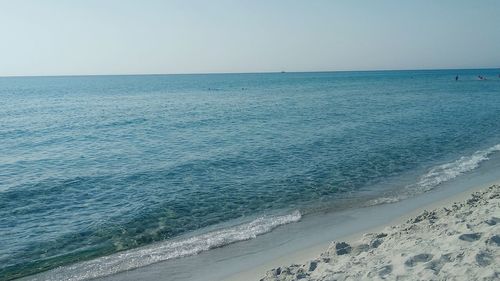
(90, 166)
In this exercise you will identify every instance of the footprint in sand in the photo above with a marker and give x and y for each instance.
(411, 262)
(484, 259)
(493, 221)
(384, 270)
(470, 237)
(437, 265)
(494, 240)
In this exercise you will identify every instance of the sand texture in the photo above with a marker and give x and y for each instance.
(457, 242)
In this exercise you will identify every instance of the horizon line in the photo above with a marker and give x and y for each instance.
(250, 72)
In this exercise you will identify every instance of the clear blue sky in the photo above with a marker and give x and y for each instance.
(64, 37)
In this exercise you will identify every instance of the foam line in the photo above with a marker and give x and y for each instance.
(440, 174)
(163, 251)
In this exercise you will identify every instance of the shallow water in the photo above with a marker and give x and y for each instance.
(90, 166)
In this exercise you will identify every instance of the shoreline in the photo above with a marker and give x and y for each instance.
(303, 241)
(304, 258)
(297, 242)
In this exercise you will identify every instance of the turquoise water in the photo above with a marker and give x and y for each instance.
(94, 165)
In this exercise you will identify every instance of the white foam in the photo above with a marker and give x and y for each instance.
(439, 175)
(163, 251)
(448, 171)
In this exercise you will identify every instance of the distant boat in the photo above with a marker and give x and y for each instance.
(283, 71)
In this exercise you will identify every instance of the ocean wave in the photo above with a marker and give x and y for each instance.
(167, 250)
(438, 175)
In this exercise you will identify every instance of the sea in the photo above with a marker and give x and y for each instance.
(107, 174)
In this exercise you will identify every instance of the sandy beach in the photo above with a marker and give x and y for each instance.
(457, 241)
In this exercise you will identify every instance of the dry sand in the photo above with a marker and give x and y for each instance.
(458, 242)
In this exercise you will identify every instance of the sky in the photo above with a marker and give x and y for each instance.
(93, 37)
